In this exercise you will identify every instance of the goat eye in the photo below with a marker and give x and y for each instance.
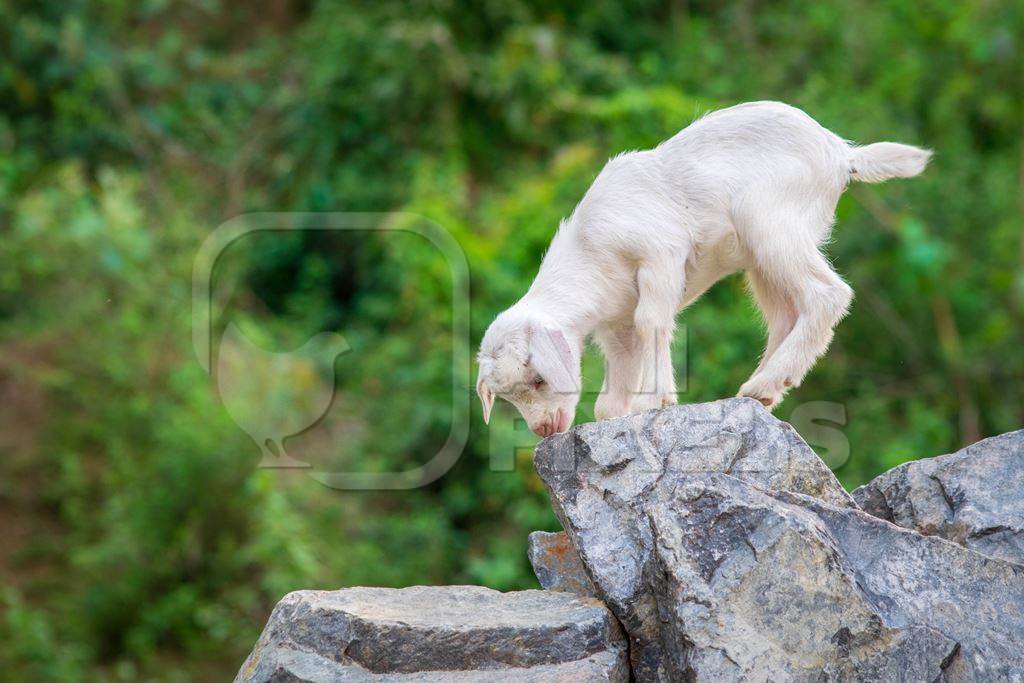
(538, 383)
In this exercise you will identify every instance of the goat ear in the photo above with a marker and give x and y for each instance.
(486, 397)
(552, 357)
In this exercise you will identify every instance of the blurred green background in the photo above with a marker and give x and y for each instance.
(141, 541)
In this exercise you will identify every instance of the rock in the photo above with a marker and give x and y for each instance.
(756, 585)
(435, 633)
(972, 497)
(556, 564)
(291, 665)
(601, 477)
(729, 552)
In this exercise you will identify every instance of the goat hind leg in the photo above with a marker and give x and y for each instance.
(821, 299)
(778, 311)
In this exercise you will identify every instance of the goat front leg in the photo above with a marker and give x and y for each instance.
(660, 290)
(622, 373)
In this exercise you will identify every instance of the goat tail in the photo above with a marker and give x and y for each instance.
(884, 160)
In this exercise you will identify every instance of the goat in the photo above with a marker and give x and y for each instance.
(754, 188)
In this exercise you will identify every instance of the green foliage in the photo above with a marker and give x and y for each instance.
(148, 538)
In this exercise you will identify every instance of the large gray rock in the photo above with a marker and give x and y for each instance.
(602, 476)
(437, 633)
(974, 497)
(557, 565)
(758, 585)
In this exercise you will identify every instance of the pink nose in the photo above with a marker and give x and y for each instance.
(553, 426)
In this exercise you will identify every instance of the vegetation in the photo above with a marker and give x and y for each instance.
(141, 539)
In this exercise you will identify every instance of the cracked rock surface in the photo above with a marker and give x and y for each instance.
(974, 497)
(603, 478)
(760, 585)
(730, 552)
(438, 633)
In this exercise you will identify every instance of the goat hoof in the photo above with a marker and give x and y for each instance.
(607, 408)
(647, 402)
(768, 403)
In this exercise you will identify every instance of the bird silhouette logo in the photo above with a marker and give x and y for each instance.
(274, 395)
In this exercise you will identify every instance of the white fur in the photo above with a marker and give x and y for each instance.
(753, 187)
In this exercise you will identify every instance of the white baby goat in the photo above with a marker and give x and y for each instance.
(753, 187)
